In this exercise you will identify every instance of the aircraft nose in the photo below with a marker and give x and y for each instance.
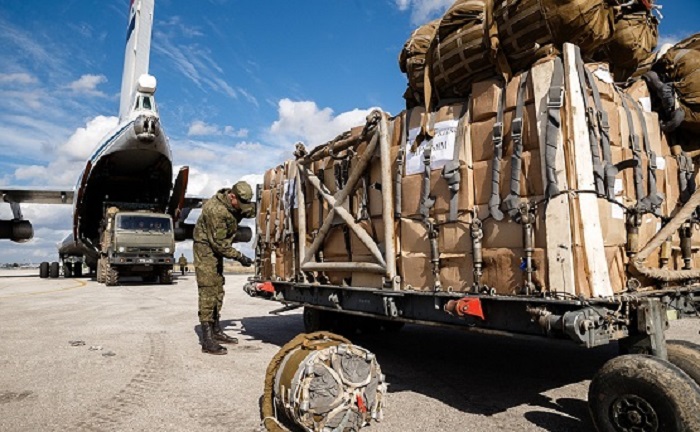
(146, 127)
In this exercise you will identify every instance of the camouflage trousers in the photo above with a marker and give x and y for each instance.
(209, 269)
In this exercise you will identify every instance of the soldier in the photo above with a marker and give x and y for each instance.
(182, 262)
(213, 238)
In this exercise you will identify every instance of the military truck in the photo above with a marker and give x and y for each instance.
(136, 243)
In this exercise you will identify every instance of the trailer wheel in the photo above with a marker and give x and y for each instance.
(685, 355)
(315, 320)
(111, 275)
(44, 270)
(643, 393)
(53, 270)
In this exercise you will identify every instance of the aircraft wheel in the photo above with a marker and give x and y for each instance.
(685, 355)
(44, 270)
(643, 393)
(67, 269)
(53, 270)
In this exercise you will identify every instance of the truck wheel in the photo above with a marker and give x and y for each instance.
(44, 270)
(166, 276)
(111, 275)
(53, 270)
(100, 272)
(78, 270)
(685, 355)
(643, 393)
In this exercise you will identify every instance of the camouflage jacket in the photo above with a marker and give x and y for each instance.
(217, 225)
(182, 261)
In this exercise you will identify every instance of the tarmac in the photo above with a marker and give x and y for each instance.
(77, 355)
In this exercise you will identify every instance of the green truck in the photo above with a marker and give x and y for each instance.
(136, 243)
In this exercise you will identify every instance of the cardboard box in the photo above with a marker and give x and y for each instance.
(335, 244)
(482, 134)
(366, 280)
(502, 269)
(485, 96)
(416, 272)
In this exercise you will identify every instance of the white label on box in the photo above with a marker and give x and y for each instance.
(619, 189)
(646, 104)
(616, 211)
(443, 147)
(660, 163)
(604, 75)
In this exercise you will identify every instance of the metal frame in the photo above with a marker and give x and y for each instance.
(385, 261)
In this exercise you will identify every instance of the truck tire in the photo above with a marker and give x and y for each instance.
(54, 270)
(111, 275)
(166, 276)
(44, 270)
(100, 271)
(645, 393)
(685, 355)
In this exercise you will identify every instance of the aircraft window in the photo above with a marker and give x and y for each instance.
(147, 103)
(144, 223)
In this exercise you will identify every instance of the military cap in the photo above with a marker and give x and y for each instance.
(243, 192)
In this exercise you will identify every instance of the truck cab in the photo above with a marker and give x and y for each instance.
(137, 243)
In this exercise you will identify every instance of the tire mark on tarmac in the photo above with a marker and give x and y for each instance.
(80, 284)
(132, 398)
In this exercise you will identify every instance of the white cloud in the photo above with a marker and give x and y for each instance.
(87, 84)
(83, 141)
(304, 121)
(20, 78)
(201, 128)
(423, 11)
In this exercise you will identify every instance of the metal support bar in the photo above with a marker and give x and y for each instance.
(16, 211)
(347, 218)
(652, 321)
(344, 267)
(301, 213)
(387, 200)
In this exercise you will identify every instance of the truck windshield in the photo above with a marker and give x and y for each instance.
(143, 223)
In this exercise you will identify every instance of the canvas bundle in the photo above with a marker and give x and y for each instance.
(632, 45)
(456, 56)
(412, 61)
(680, 66)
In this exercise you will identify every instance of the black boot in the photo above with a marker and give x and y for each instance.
(220, 336)
(208, 344)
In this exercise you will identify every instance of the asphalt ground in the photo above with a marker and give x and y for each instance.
(76, 355)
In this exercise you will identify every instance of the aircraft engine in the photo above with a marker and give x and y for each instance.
(18, 231)
(146, 127)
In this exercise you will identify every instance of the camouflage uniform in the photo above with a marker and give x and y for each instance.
(213, 236)
(183, 263)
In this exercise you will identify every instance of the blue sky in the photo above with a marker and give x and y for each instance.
(238, 83)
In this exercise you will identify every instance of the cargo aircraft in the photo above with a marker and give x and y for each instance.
(131, 164)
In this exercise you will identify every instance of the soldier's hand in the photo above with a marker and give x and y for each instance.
(245, 261)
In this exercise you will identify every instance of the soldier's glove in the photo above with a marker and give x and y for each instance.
(245, 261)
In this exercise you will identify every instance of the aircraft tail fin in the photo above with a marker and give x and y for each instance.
(138, 48)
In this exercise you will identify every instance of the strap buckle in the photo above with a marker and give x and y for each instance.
(498, 133)
(517, 128)
(652, 161)
(556, 97)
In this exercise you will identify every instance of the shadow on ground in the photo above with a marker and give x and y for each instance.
(476, 374)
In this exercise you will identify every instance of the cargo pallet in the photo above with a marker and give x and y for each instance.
(653, 386)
